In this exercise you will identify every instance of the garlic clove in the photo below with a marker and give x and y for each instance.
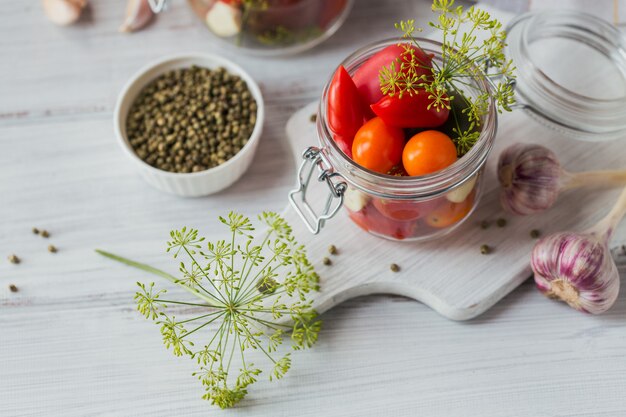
(355, 200)
(63, 12)
(224, 19)
(577, 269)
(530, 178)
(138, 14)
(459, 194)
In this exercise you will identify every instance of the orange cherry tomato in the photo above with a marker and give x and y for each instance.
(377, 146)
(450, 213)
(427, 152)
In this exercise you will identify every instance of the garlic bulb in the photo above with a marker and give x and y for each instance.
(532, 178)
(354, 199)
(63, 12)
(578, 267)
(459, 194)
(138, 14)
(224, 19)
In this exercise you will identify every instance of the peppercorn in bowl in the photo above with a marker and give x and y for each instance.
(190, 124)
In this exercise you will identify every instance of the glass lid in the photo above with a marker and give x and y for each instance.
(571, 72)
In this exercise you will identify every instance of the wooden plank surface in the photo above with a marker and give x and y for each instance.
(71, 343)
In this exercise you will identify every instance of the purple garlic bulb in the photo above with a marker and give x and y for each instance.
(530, 178)
(577, 269)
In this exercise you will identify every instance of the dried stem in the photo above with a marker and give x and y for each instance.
(609, 178)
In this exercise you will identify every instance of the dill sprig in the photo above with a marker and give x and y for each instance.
(250, 295)
(463, 58)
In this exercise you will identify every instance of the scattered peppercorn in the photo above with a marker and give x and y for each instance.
(313, 118)
(485, 224)
(535, 233)
(332, 249)
(485, 249)
(394, 267)
(327, 261)
(14, 259)
(13, 288)
(45, 233)
(501, 222)
(52, 248)
(191, 119)
(35, 230)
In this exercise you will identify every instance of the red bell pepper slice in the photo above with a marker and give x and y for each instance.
(410, 111)
(366, 77)
(346, 112)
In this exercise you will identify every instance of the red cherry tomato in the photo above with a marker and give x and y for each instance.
(377, 146)
(450, 213)
(366, 77)
(346, 112)
(428, 152)
(410, 111)
(405, 210)
(370, 220)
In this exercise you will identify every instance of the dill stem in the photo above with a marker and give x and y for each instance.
(162, 274)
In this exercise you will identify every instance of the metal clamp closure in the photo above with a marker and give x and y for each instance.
(315, 158)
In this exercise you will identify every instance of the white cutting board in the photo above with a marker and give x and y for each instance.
(450, 275)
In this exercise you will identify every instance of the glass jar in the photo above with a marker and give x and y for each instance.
(391, 207)
(570, 76)
(571, 73)
(272, 27)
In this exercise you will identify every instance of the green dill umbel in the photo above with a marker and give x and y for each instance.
(453, 80)
(250, 292)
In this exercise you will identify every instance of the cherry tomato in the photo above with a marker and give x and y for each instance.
(450, 213)
(410, 111)
(366, 77)
(346, 112)
(405, 210)
(370, 220)
(428, 152)
(377, 146)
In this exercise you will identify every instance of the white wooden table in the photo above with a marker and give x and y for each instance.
(71, 343)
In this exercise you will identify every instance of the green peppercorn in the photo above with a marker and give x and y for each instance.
(485, 224)
(191, 119)
(485, 249)
(535, 233)
(394, 267)
(52, 249)
(332, 249)
(35, 230)
(501, 222)
(327, 261)
(14, 259)
(313, 118)
(13, 288)
(45, 234)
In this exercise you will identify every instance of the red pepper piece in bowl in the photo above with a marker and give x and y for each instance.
(346, 112)
(410, 111)
(367, 79)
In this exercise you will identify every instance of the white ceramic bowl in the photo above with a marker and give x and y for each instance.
(197, 183)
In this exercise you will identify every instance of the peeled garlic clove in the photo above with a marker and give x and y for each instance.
(63, 12)
(138, 14)
(224, 19)
(459, 194)
(577, 269)
(355, 200)
(530, 178)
